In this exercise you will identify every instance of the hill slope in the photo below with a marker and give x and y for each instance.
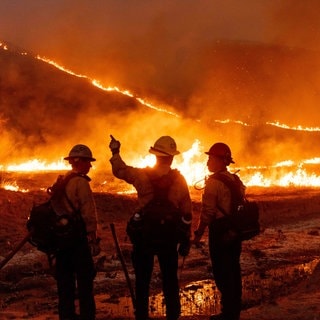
(44, 111)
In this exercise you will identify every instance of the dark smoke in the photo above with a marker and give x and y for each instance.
(207, 60)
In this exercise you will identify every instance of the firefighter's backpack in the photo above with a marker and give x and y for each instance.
(244, 217)
(159, 218)
(51, 232)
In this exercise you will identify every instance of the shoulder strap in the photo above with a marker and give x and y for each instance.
(161, 185)
(59, 187)
(61, 183)
(234, 187)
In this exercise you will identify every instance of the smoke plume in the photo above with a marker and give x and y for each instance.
(206, 60)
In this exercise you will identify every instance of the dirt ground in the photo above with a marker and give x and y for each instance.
(281, 270)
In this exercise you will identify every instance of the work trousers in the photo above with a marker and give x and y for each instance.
(225, 257)
(75, 272)
(143, 262)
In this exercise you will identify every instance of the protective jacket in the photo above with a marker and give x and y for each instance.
(138, 177)
(74, 266)
(224, 250)
(215, 194)
(166, 251)
(80, 194)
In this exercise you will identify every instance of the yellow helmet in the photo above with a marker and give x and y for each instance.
(165, 146)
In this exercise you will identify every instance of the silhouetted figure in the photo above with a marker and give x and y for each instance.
(161, 222)
(75, 269)
(224, 245)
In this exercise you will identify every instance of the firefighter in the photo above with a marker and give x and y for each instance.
(224, 249)
(147, 181)
(74, 265)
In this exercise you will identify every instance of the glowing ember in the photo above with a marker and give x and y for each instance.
(12, 187)
(3, 46)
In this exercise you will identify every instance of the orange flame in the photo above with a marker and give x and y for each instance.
(193, 163)
(3, 46)
(37, 165)
(97, 84)
(298, 128)
(12, 187)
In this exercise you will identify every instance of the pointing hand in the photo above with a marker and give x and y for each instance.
(114, 145)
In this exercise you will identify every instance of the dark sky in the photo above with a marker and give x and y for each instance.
(86, 35)
(48, 26)
(30, 22)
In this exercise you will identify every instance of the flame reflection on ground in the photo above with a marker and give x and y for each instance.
(202, 297)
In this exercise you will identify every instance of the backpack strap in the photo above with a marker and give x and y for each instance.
(234, 187)
(59, 187)
(161, 185)
(61, 182)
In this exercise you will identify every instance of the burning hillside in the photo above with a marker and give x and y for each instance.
(46, 108)
(201, 71)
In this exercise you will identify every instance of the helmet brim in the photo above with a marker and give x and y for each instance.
(87, 158)
(208, 153)
(161, 153)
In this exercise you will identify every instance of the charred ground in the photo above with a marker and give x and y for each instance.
(290, 239)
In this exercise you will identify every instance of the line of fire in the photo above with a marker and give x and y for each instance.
(297, 172)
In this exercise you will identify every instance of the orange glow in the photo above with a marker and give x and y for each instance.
(233, 121)
(192, 163)
(298, 128)
(3, 46)
(36, 166)
(12, 187)
(298, 178)
(97, 84)
(58, 66)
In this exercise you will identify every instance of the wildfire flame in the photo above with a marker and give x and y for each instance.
(193, 162)
(97, 84)
(37, 165)
(298, 128)
(12, 187)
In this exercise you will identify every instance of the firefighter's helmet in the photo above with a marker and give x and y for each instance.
(80, 151)
(221, 150)
(165, 146)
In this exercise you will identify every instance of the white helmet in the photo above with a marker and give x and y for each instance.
(80, 151)
(165, 146)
